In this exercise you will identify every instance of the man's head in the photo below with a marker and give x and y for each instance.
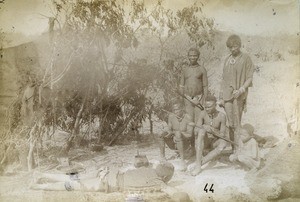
(177, 109)
(234, 44)
(193, 55)
(210, 104)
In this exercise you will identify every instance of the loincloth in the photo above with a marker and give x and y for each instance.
(196, 98)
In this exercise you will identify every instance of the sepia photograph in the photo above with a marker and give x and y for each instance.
(149, 100)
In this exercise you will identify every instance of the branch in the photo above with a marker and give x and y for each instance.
(61, 75)
(76, 125)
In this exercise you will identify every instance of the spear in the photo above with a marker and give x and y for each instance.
(194, 125)
(185, 97)
(215, 134)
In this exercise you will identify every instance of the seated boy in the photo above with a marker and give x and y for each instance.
(179, 134)
(247, 151)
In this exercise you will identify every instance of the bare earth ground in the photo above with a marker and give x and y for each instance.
(270, 105)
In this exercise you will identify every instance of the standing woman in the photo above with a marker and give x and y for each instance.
(237, 78)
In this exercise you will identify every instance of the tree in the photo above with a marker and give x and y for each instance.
(92, 75)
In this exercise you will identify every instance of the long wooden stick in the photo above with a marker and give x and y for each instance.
(171, 113)
(214, 133)
(223, 138)
(184, 96)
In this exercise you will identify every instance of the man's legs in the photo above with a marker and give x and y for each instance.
(238, 107)
(230, 116)
(197, 113)
(199, 144)
(61, 182)
(58, 186)
(53, 177)
(162, 142)
(194, 113)
(180, 146)
(218, 146)
(234, 110)
(189, 108)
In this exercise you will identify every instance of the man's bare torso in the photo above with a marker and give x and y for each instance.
(215, 122)
(179, 124)
(193, 80)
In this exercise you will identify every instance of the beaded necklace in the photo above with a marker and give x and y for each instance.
(233, 60)
(211, 123)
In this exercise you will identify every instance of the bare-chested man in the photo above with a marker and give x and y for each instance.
(179, 133)
(193, 84)
(210, 122)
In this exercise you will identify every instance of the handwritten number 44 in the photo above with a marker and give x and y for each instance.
(210, 189)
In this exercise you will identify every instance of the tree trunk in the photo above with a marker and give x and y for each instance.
(30, 157)
(120, 131)
(151, 122)
(32, 141)
(75, 128)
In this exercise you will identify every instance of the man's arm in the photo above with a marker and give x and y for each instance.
(170, 126)
(222, 84)
(205, 85)
(254, 148)
(249, 72)
(223, 124)
(181, 83)
(249, 77)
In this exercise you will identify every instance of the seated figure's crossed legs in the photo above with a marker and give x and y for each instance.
(218, 147)
(201, 140)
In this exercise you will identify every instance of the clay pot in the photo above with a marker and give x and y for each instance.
(141, 160)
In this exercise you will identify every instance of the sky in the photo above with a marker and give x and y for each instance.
(252, 17)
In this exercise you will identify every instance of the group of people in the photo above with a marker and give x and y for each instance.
(199, 125)
(194, 125)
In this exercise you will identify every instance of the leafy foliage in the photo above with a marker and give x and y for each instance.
(92, 76)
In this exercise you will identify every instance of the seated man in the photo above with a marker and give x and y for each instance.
(210, 122)
(247, 151)
(108, 180)
(179, 133)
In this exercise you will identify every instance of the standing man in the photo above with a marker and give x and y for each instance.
(210, 122)
(237, 78)
(193, 84)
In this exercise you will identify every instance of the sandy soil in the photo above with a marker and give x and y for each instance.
(271, 103)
